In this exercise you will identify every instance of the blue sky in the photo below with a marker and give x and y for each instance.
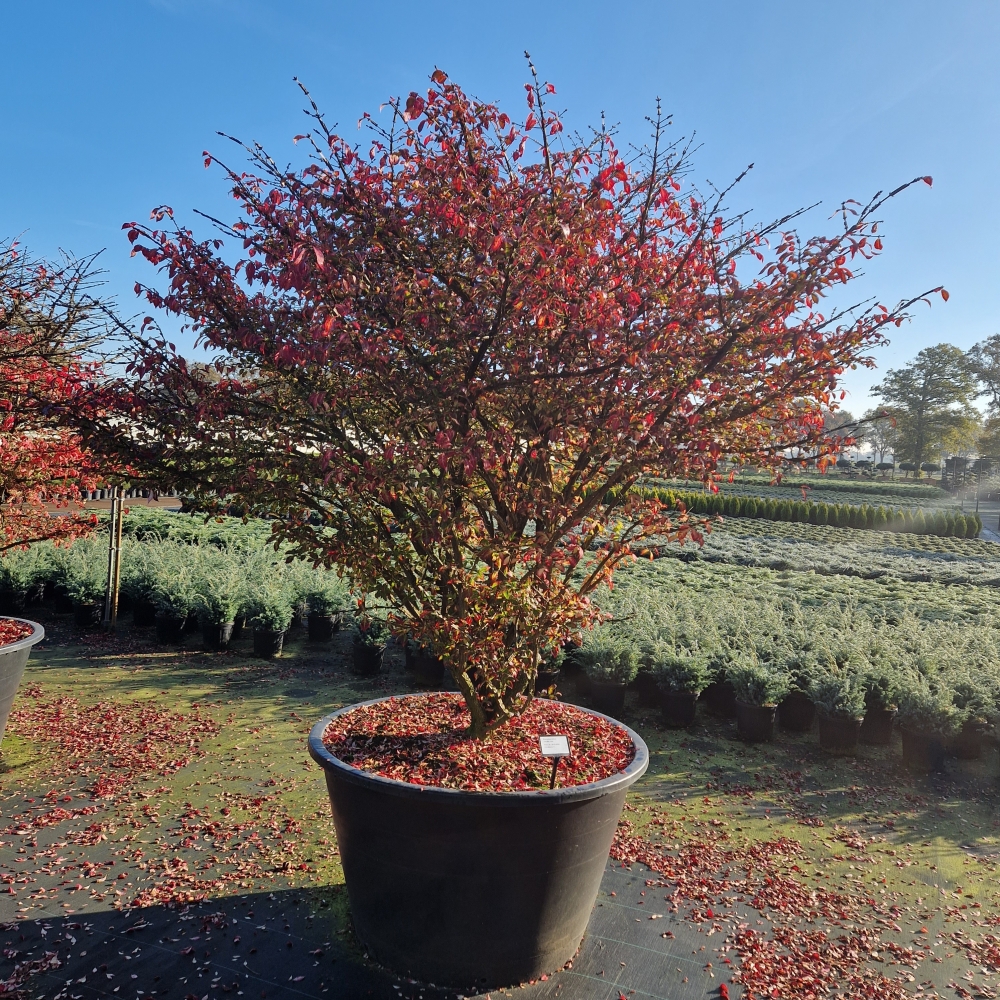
(108, 106)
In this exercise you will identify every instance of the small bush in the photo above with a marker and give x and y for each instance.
(757, 683)
(606, 658)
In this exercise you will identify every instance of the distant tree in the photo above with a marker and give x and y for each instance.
(988, 440)
(984, 362)
(879, 430)
(933, 395)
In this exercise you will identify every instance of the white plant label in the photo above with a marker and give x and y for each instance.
(554, 746)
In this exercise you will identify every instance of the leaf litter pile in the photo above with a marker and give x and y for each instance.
(12, 630)
(422, 740)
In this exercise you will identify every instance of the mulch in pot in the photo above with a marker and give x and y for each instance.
(422, 740)
(13, 631)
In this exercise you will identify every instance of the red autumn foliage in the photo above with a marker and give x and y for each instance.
(12, 630)
(445, 357)
(46, 317)
(424, 740)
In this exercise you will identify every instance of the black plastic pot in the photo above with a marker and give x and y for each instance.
(647, 689)
(63, 602)
(322, 627)
(968, 744)
(922, 752)
(367, 659)
(170, 629)
(12, 602)
(87, 615)
(720, 699)
(797, 712)
(607, 696)
(876, 728)
(838, 734)
(215, 638)
(471, 889)
(267, 643)
(143, 612)
(427, 669)
(546, 679)
(755, 723)
(679, 708)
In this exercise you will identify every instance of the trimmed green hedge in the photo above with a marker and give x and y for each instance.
(945, 524)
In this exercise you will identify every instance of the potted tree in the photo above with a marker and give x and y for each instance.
(759, 688)
(719, 694)
(217, 596)
(797, 709)
(444, 366)
(17, 636)
(326, 597)
(173, 592)
(611, 664)
(681, 676)
(928, 717)
(881, 683)
(85, 580)
(839, 694)
(269, 613)
(370, 638)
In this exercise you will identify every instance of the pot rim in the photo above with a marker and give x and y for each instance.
(459, 796)
(29, 640)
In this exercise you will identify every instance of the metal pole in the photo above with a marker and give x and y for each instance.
(114, 560)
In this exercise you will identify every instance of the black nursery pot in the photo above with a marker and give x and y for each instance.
(755, 723)
(87, 615)
(607, 696)
(267, 643)
(427, 669)
(720, 699)
(922, 752)
(215, 638)
(63, 602)
(876, 728)
(679, 708)
(647, 688)
(170, 629)
(796, 712)
(143, 612)
(471, 889)
(968, 744)
(321, 627)
(838, 734)
(367, 659)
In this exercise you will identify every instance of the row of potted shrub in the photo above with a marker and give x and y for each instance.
(854, 701)
(946, 524)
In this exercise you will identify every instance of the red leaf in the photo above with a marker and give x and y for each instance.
(928, 180)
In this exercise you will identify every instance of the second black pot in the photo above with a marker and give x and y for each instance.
(607, 696)
(322, 627)
(797, 712)
(215, 638)
(267, 643)
(427, 669)
(838, 734)
(170, 629)
(143, 612)
(720, 699)
(87, 615)
(367, 659)
(876, 727)
(679, 708)
(755, 723)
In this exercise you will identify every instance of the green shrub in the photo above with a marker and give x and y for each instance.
(268, 606)
(84, 570)
(839, 693)
(918, 523)
(173, 590)
(822, 514)
(881, 519)
(928, 707)
(881, 683)
(218, 584)
(373, 633)
(326, 593)
(23, 571)
(757, 683)
(607, 658)
(680, 671)
(960, 529)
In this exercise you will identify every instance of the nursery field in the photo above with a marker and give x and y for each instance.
(165, 832)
